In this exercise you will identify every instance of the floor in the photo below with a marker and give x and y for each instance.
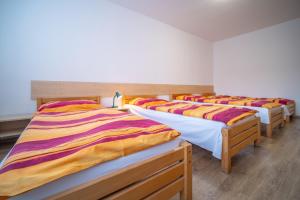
(269, 171)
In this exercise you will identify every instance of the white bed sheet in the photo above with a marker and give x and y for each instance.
(201, 132)
(95, 172)
(263, 113)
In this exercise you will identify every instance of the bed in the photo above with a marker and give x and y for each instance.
(224, 141)
(157, 172)
(289, 106)
(271, 118)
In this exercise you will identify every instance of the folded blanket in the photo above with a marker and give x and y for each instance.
(225, 114)
(58, 144)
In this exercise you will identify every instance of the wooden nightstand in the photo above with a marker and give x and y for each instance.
(12, 126)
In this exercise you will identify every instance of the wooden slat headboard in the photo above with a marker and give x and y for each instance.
(50, 89)
(41, 101)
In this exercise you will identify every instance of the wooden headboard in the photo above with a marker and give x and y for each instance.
(127, 98)
(41, 101)
(50, 89)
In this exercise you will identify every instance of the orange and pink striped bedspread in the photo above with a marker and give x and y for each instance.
(227, 115)
(234, 100)
(57, 144)
(281, 101)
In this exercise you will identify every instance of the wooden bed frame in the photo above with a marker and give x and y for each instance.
(159, 177)
(276, 118)
(234, 138)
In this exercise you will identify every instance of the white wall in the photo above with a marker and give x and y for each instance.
(264, 63)
(96, 41)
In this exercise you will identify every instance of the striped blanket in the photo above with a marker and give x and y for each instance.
(231, 100)
(225, 114)
(57, 144)
(281, 101)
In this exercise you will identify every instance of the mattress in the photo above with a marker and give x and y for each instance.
(263, 113)
(204, 133)
(95, 172)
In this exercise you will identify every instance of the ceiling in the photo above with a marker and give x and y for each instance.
(216, 19)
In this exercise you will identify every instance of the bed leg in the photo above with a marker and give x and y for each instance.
(288, 119)
(256, 142)
(226, 163)
(258, 139)
(282, 124)
(186, 194)
(269, 130)
(226, 158)
(282, 120)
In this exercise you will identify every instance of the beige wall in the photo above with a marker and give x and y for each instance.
(264, 63)
(91, 41)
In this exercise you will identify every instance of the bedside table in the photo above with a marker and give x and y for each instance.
(12, 126)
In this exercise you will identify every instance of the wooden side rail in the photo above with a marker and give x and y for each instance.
(160, 177)
(238, 137)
